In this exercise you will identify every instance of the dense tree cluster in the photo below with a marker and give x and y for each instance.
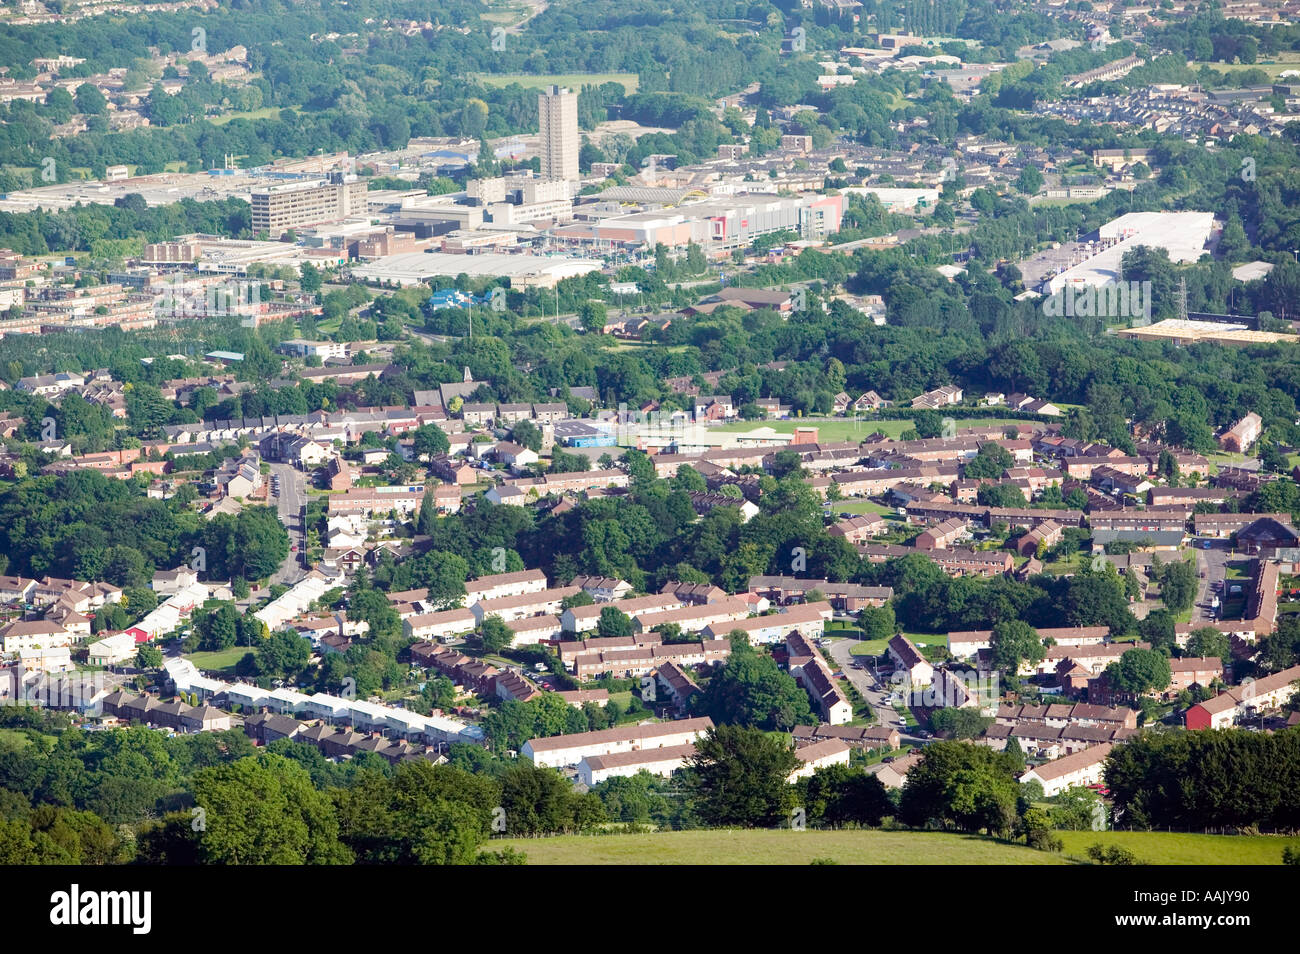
(91, 527)
(1217, 779)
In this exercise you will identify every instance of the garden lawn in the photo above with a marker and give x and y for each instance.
(223, 659)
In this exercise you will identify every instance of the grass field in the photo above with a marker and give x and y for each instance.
(774, 848)
(847, 429)
(844, 628)
(859, 506)
(928, 639)
(1222, 459)
(1272, 69)
(264, 113)
(11, 740)
(220, 660)
(629, 81)
(1179, 848)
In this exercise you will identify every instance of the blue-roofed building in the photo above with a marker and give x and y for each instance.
(581, 434)
(445, 298)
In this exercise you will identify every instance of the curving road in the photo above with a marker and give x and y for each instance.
(875, 692)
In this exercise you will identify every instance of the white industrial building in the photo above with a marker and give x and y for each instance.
(413, 268)
(1182, 234)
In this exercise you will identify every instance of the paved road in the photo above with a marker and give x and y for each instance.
(535, 9)
(433, 339)
(289, 505)
(864, 680)
(1212, 563)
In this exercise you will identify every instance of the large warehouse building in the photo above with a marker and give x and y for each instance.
(540, 271)
(722, 222)
(1182, 234)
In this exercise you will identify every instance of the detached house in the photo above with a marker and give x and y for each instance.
(514, 456)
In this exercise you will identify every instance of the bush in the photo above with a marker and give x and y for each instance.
(1046, 841)
(1111, 855)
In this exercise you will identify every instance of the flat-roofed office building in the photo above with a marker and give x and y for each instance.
(292, 205)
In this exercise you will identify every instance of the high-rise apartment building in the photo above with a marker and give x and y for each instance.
(558, 113)
(310, 202)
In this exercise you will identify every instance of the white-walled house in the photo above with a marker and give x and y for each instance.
(504, 584)
(818, 755)
(584, 619)
(440, 625)
(561, 750)
(538, 603)
(112, 650)
(806, 618)
(663, 762)
(1081, 768)
(23, 635)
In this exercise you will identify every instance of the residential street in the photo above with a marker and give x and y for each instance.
(864, 681)
(1212, 563)
(289, 505)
